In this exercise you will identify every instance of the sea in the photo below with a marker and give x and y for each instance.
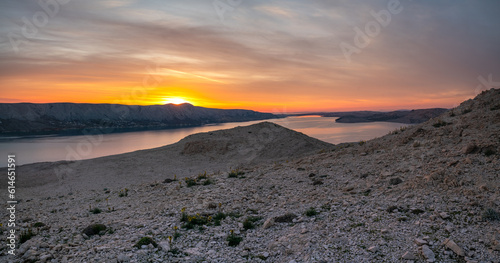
(49, 148)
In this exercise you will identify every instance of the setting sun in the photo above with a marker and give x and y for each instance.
(174, 100)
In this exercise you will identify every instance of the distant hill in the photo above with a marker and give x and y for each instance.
(29, 118)
(410, 117)
(400, 116)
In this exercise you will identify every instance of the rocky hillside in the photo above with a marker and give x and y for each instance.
(427, 193)
(410, 117)
(22, 118)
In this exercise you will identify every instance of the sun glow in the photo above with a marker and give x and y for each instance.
(175, 100)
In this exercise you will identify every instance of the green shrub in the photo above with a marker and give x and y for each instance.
(235, 173)
(144, 241)
(311, 212)
(491, 215)
(96, 210)
(247, 224)
(94, 229)
(202, 176)
(39, 224)
(190, 182)
(192, 221)
(123, 193)
(26, 235)
(219, 217)
(233, 240)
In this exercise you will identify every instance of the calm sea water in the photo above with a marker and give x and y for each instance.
(56, 148)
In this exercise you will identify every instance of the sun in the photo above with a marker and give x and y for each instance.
(175, 100)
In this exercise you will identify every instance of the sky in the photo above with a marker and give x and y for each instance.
(273, 56)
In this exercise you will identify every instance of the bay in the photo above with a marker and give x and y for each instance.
(77, 147)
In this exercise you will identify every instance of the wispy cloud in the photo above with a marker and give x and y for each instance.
(268, 52)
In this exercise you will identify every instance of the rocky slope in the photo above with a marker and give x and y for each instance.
(427, 193)
(410, 117)
(22, 118)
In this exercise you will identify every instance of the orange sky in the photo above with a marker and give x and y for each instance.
(274, 56)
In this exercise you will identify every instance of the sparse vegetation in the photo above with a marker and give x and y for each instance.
(235, 173)
(491, 214)
(488, 152)
(26, 235)
(249, 222)
(94, 229)
(202, 176)
(440, 123)
(191, 221)
(123, 193)
(39, 224)
(190, 182)
(176, 234)
(96, 211)
(311, 212)
(233, 240)
(219, 217)
(201, 179)
(395, 181)
(144, 241)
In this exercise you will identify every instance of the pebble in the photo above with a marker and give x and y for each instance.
(428, 253)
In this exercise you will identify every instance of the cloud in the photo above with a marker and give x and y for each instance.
(281, 50)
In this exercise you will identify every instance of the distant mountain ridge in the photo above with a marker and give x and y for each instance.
(30, 118)
(409, 117)
(400, 116)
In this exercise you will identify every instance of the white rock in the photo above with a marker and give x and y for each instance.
(268, 223)
(428, 254)
(122, 258)
(454, 247)
(444, 215)
(420, 242)
(165, 245)
(408, 256)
